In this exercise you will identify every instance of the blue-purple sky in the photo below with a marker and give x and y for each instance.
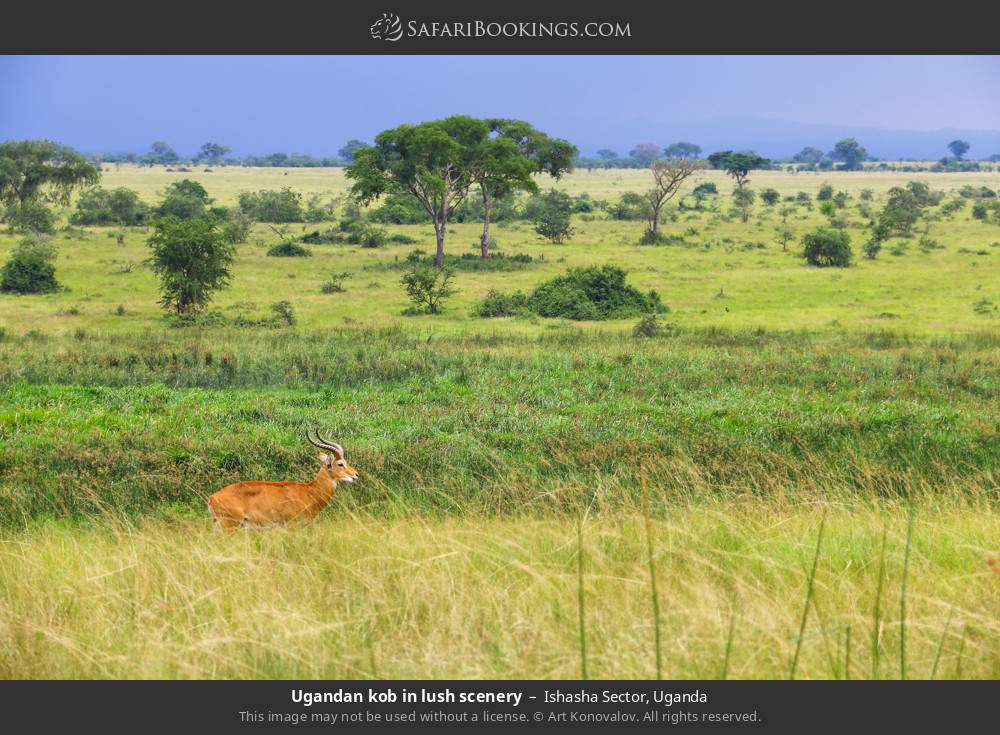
(312, 104)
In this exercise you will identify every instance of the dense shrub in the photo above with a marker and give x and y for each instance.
(30, 268)
(648, 326)
(770, 197)
(30, 216)
(498, 304)
(269, 205)
(400, 209)
(185, 199)
(825, 193)
(236, 228)
(592, 293)
(826, 247)
(497, 261)
(289, 249)
(322, 238)
(632, 206)
(119, 206)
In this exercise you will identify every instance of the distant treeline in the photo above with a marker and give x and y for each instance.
(847, 154)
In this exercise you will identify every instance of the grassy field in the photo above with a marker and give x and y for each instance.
(777, 396)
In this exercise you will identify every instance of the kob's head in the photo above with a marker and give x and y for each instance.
(334, 463)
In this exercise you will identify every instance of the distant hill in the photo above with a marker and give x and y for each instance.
(783, 138)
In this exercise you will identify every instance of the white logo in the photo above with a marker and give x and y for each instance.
(387, 28)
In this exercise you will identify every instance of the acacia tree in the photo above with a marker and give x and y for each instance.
(737, 165)
(668, 176)
(33, 169)
(682, 150)
(431, 161)
(506, 161)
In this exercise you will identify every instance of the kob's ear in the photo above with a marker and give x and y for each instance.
(324, 458)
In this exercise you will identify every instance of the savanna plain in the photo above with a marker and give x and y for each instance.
(794, 474)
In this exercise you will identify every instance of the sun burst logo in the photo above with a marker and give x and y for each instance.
(387, 28)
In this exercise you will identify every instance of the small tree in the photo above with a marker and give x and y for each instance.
(770, 197)
(743, 199)
(552, 216)
(826, 247)
(192, 259)
(958, 148)
(901, 212)
(428, 287)
(668, 177)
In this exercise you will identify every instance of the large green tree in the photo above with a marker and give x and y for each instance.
(432, 161)
(507, 159)
(36, 169)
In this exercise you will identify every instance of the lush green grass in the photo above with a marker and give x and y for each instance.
(778, 392)
(127, 423)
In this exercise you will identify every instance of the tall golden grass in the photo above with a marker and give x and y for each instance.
(359, 596)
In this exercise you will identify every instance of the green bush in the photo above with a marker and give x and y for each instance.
(236, 228)
(400, 209)
(648, 326)
(185, 199)
(30, 268)
(592, 293)
(826, 247)
(633, 206)
(269, 205)
(498, 304)
(30, 216)
(121, 206)
(289, 249)
(497, 261)
(427, 288)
